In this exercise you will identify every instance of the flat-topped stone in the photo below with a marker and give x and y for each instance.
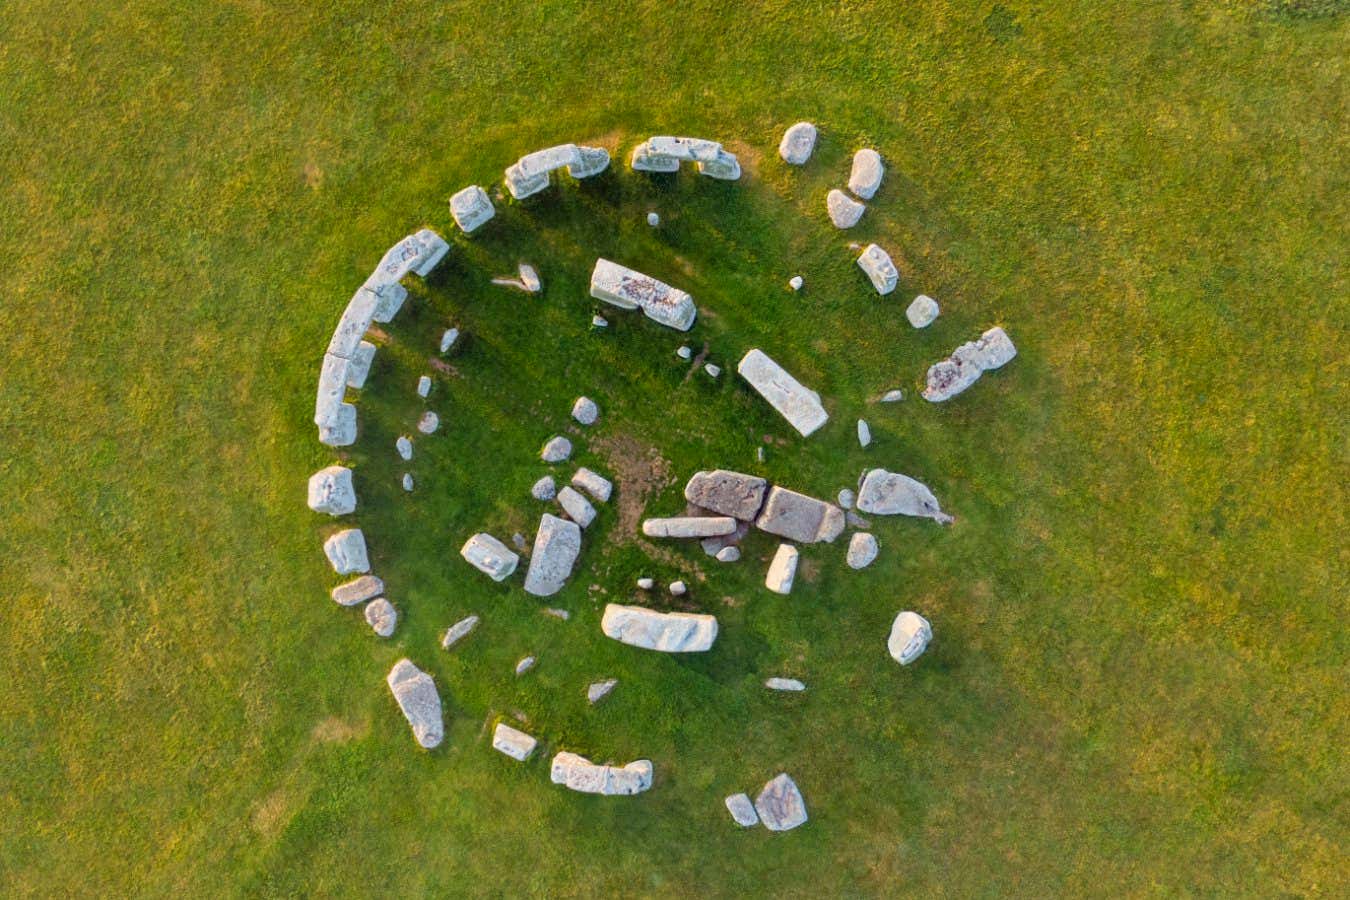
(797, 144)
(489, 556)
(727, 493)
(876, 263)
(675, 632)
(577, 507)
(544, 489)
(794, 401)
(557, 450)
(783, 570)
(844, 210)
(689, 527)
(346, 552)
(557, 545)
(742, 810)
(967, 363)
(780, 804)
(471, 208)
(516, 744)
(585, 411)
(331, 491)
(529, 175)
(340, 431)
(418, 253)
(922, 312)
(578, 773)
(358, 590)
(626, 288)
(458, 631)
(594, 484)
(800, 518)
(391, 296)
(910, 634)
(862, 550)
(865, 176)
(416, 695)
(381, 617)
(892, 494)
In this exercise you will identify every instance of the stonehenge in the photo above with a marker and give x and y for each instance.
(664, 154)
(529, 175)
(968, 362)
(794, 401)
(628, 289)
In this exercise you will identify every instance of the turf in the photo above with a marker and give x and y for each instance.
(1137, 681)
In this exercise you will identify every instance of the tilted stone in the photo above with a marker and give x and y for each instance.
(490, 556)
(689, 527)
(675, 632)
(967, 363)
(516, 744)
(346, 552)
(892, 494)
(794, 401)
(358, 590)
(580, 774)
(331, 491)
(471, 208)
(867, 172)
(797, 143)
(415, 693)
(800, 518)
(783, 570)
(910, 634)
(458, 631)
(628, 289)
(862, 550)
(876, 263)
(742, 810)
(922, 312)
(727, 493)
(381, 617)
(780, 804)
(577, 507)
(556, 547)
(844, 210)
(597, 486)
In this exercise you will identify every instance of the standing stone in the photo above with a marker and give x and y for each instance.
(390, 297)
(862, 549)
(346, 551)
(791, 685)
(684, 352)
(576, 506)
(407, 481)
(556, 547)
(381, 617)
(689, 527)
(415, 693)
(530, 278)
(893, 396)
(876, 263)
(800, 518)
(516, 744)
(742, 810)
(458, 631)
(358, 590)
(844, 210)
(780, 804)
(651, 630)
(585, 411)
(489, 556)
(580, 774)
(866, 175)
(340, 430)
(359, 369)
(628, 289)
(794, 401)
(544, 489)
(890, 493)
(910, 634)
(599, 690)
(864, 433)
(404, 447)
(597, 486)
(556, 450)
(525, 665)
(424, 386)
(331, 491)
(728, 554)
(797, 143)
(653, 219)
(967, 363)
(471, 208)
(922, 311)
(783, 570)
(795, 282)
(429, 422)
(646, 584)
(678, 588)
(448, 338)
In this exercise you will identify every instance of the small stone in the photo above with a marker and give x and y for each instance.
(783, 570)
(712, 370)
(866, 175)
(678, 588)
(530, 278)
(424, 386)
(597, 486)
(742, 810)
(600, 690)
(795, 282)
(893, 396)
(846, 499)
(780, 804)
(728, 554)
(358, 590)
(844, 210)
(525, 665)
(458, 631)
(797, 144)
(346, 552)
(556, 450)
(784, 684)
(759, 454)
(516, 744)
(646, 584)
(489, 556)
(653, 219)
(331, 491)
(862, 549)
(599, 322)
(910, 634)
(557, 613)
(415, 693)
(585, 411)
(448, 338)
(518, 540)
(864, 433)
(577, 507)
(922, 311)
(684, 352)
(382, 617)
(407, 481)
(404, 447)
(544, 489)
(429, 422)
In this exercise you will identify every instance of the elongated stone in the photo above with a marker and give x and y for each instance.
(967, 363)
(358, 590)
(783, 570)
(416, 695)
(490, 556)
(800, 518)
(742, 810)
(557, 545)
(597, 486)
(516, 744)
(794, 401)
(458, 631)
(689, 527)
(727, 493)
(577, 507)
(675, 632)
(578, 773)
(865, 177)
(890, 494)
(877, 265)
(628, 289)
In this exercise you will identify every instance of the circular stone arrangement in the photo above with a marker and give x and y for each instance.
(722, 506)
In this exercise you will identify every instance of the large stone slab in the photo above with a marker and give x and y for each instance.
(689, 527)
(556, 547)
(529, 175)
(416, 695)
(328, 400)
(844, 210)
(593, 483)
(951, 376)
(876, 263)
(783, 570)
(358, 590)
(578, 773)
(346, 552)
(331, 491)
(665, 153)
(471, 208)
(418, 253)
(628, 289)
(675, 632)
(354, 324)
(794, 401)
(800, 518)
(577, 507)
(797, 144)
(892, 494)
(727, 493)
(780, 804)
(514, 743)
(865, 177)
(910, 634)
(490, 556)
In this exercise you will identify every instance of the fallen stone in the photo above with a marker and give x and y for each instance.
(424, 386)
(865, 177)
(331, 491)
(684, 353)
(784, 684)
(794, 401)
(717, 543)
(844, 210)
(354, 323)
(727, 493)
(864, 433)
(664, 154)
(967, 363)
(795, 282)
(429, 422)
(797, 143)
(544, 489)
(346, 551)
(780, 804)
(599, 690)
(556, 450)
(557, 613)
(516, 744)
(448, 338)
(876, 263)
(853, 520)
(689, 527)
(597, 486)
(358, 590)
(471, 208)
(922, 311)
(800, 518)
(910, 634)
(862, 550)
(577, 507)
(530, 278)
(580, 774)
(404, 447)
(651, 630)
(361, 361)
(628, 289)
(742, 810)
(407, 481)
(556, 547)
(415, 693)
(585, 411)
(783, 570)
(490, 556)
(893, 396)
(890, 493)
(846, 499)
(381, 617)
(728, 554)
(456, 632)
(599, 322)
(646, 584)
(525, 665)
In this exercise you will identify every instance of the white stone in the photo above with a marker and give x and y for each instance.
(865, 177)
(390, 299)
(599, 690)
(728, 554)
(795, 282)
(800, 518)
(894, 396)
(556, 547)
(684, 352)
(516, 744)
(359, 369)
(646, 584)
(864, 433)
(599, 322)
(415, 693)
(544, 489)
(407, 482)
(354, 323)
(922, 311)
(674, 632)
(780, 804)
(490, 556)
(417, 254)
(844, 210)
(653, 219)
(890, 493)
(742, 810)
(797, 144)
(557, 613)
(846, 499)
(580, 774)
(794, 401)
(577, 507)
(910, 634)
(530, 174)
(404, 447)
(664, 154)
(471, 208)
(358, 590)
(557, 450)
(429, 422)
(341, 430)
(381, 617)
(627, 289)
(597, 486)
(458, 631)
(784, 684)
(524, 665)
(712, 370)
(328, 399)
(862, 549)
(783, 570)
(530, 278)
(678, 588)
(424, 386)
(689, 527)
(448, 338)
(585, 411)
(967, 363)
(331, 491)
(880, 270)
(346, 552)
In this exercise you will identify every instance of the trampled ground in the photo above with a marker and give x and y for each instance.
(1137, 681)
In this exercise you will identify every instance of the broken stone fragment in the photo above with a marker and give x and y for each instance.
(381, 617)
(797, 143)
(525, 665)
(596, 485)
(557, 613)
(844, 210)
(784, 684)
(516, 744)
(893, 396)
(728, 554)
(865, 177)
(544, 489)
(795, 282)
(424, 386)
(415, 693)
(629, 289)
(489, 556)
(890, 493)
(585, 411)
(331, 491)
(646, 584)
(456, 632)
(862, 549)
(530, 278)
(346, 551)
(783, 570)
(780, 804)
(429, 422)
(651, 630)
(864, 433)
(876, 263)
(800, 518)
(678, 588)
(910, 634)
(578, 773)
(556, 450)
(471, 208)
(742, 810)
(846, 499)
(448, 338)
(599, 690)
(577, 507)
(556, 547)
(358, 590)
(684, 352)
(404, 447)
(922, 311)
(967, 363)
(794, 401)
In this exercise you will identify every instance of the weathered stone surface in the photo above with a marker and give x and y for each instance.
(359, 370)
(742, 810)
(358, 590)
(689, 527)
(544, 489)
(844, 210)
(331, 491)
(346, 551)
(800, 518)
(780, 804)
(448, 338)
(429, 422)
(599, 690)
(894, 396)
(729, 554)
(556, 450)
(354, 324)
(328, 399)
(424, 386)
(415, 693)
(585, 411)
(390, 298)
(471, 208)
(922, 311)
(846, 499)
(967, 363)
(784, 684)
(577, 507)
(794, 401)
(862, 549)
(458, 631)
(407, 481)
(716, 544)
(783, 570)
(675, 632)
(797, 144)
(341, 430)
(530, 174)
(664, 154)
(556, 547)
(516, 744)
(876, 263)
(524, 665)
(529, 277)
(580, 774)
(910, 634)
(864, 433)
(627, 289)
(727, 493)
(404, 447)
(865, 177)
(596, 485)
(890, 493)
(490, 556)
(381, 617)
(417, 253)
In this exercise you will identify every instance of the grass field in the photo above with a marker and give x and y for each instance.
(1137, 684)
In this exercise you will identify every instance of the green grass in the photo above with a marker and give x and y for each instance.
(1137, 681)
